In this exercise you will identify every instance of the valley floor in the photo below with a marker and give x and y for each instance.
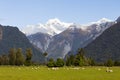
(65, 73)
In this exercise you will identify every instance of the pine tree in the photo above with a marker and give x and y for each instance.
(81, 53)
(80, 59)
(19, 57)
(12, 56)
(109, 63)
(77, 60)
(91, 62)
(28, 57)
(70, 60)
(5, 60)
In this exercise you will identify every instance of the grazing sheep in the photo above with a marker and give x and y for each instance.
(76, 68)
(53, 68)
(109, 70)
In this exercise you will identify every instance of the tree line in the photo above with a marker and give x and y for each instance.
(16, 57)
(72, 60)
(80, 60)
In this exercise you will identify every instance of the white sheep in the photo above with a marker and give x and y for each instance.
(76, 68)
(53, 68)
(109, 70)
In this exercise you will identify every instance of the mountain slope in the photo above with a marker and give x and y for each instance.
(66, 41)
(75, 37)
(69, 40)
(11, 37)
(118, 19)
(106, 46)
(41, 40)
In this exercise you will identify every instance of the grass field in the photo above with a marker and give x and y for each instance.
(65, 73)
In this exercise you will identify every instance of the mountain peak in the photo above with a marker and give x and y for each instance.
(51, 27)
(103, 20)
(57, 23)
(55, 26)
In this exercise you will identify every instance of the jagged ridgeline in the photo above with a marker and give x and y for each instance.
(11, 37)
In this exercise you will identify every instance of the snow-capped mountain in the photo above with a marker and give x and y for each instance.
(75, 37)
(67, 37)
(99, 26)
(51, 27)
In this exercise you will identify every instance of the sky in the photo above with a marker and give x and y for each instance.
(28, 12)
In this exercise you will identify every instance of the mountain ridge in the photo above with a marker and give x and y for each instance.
(106, 46)
(12, 37)
(55, 26)
(74, 37)
(51, 27)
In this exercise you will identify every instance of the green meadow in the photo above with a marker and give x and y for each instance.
(64, 73)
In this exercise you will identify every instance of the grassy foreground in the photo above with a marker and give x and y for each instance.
(65, 73)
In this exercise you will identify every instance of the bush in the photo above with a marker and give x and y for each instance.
(51, 63)
(109, 63)
(59, 63)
